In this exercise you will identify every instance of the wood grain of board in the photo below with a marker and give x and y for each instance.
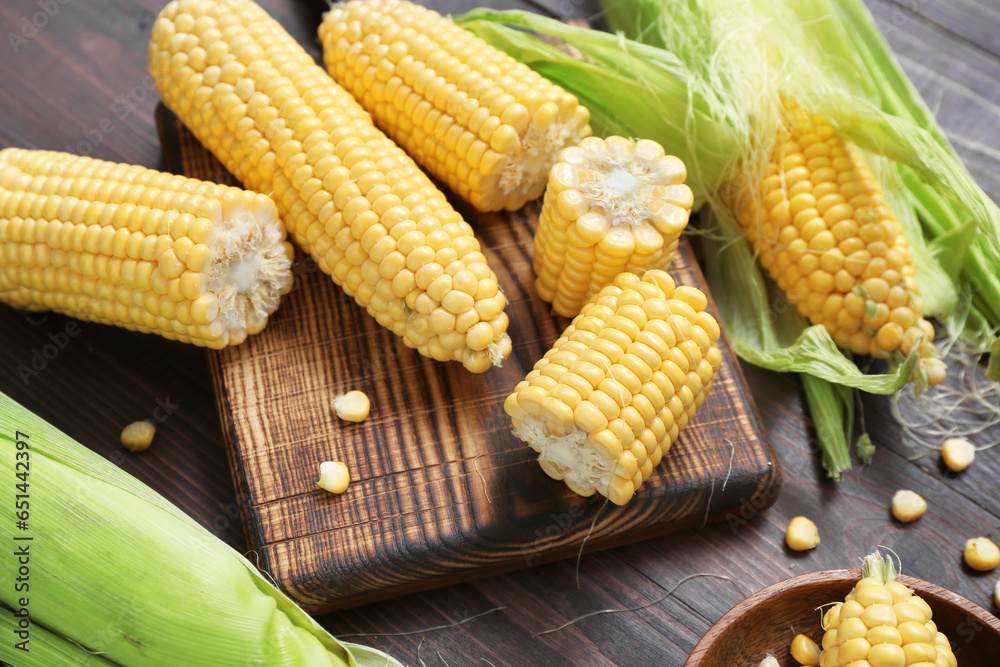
(441, 490)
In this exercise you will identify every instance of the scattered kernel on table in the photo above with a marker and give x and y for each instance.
(769, 661)
(352, 406)
(908, 506)
(805, 651)
(996, 593)
(981, 554)
(801, 534)
(333, 476)
(957, 453)
(138, 436)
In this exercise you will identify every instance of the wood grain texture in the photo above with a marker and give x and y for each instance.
(767, 621)
(441, 490)
(65, 81)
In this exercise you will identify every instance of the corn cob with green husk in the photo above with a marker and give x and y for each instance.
(137, 248)
(823, 228)
(348, 195)
(120, 576)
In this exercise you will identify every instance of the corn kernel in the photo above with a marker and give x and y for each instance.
(957, 453)
(981, 554)
(352, 406)
(907, 506)
(801, 534)
(333, 477)
(138, 436)
(805, 650)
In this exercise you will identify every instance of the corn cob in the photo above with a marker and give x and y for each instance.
(125, 245)
(349, 196)
(882, 623)
(605, 404)
(474, 117)
(826, 233)
(611, 205)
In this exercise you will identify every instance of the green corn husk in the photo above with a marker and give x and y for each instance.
(120, 576)
(715, 68)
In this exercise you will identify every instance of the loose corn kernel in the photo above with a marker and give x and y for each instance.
(124, 245)
(138, 436)
(801, 534)
(349, 196)
(605, 404)
(333, 477)
(908, 506)
(996, 593)
(832, 243)
(957, 453)
(769, 661)
(981, 554)
(473, 116)
(612, 205)
(805, 650)
(352, 406)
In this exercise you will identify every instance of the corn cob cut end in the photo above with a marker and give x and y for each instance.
(824, 229)
(615, 391)
(473, 116)
(247, 265)
(611, 205)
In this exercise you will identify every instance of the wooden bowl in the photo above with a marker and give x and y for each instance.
(767, 620)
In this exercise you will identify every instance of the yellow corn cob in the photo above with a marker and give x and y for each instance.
(611, 206)
(882, 623)
(607, 401)
(121, 244)
(477, 119)
(825, 231)
(349, 196)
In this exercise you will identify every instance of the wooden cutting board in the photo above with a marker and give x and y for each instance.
(442, 492)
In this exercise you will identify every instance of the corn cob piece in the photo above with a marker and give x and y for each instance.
(883, 623)
(825, 231)
(611, 205)
(474, 117)
(120, 244)
(605, 404)
(349, 196)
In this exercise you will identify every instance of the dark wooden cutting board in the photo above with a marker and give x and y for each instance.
(442, 491)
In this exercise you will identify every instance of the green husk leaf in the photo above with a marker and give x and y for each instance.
(44, 648)
(832, 410)
(180, 595)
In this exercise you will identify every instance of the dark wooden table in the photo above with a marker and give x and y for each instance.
(79, 83)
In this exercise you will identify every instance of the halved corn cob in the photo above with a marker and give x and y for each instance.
(349, 196)
(611, 205)
(607, 401)
(121, 244)
(824, 229)
(477, 119)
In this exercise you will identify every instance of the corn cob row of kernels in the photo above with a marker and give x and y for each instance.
(474, 117)
(120, 244)
(349, 196)
(605, 404)
(611, 206)
(825, 231)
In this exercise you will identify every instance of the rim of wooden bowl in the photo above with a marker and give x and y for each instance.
(929, 591)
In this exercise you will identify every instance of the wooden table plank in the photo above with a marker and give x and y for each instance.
(106, 377)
